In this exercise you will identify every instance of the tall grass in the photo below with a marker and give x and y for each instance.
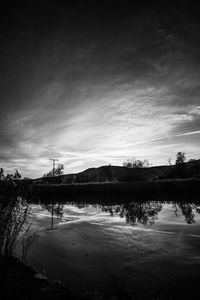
(14, 226)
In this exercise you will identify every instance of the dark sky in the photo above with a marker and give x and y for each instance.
(96, 82)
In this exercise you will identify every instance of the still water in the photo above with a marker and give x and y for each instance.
(140, 248)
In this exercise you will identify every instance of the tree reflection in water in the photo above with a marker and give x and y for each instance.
(136, 212)
(55, 209)
(188, 212)
(145, 213)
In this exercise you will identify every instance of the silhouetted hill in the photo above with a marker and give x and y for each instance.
(117, 173)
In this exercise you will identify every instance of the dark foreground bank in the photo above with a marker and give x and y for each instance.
(19, 281)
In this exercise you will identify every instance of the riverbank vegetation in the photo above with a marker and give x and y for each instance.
(133, 189)
(19, 281)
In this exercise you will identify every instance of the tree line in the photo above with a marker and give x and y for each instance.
(133, 163)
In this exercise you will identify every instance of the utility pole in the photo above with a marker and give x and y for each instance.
(52, 207)
(53, 159)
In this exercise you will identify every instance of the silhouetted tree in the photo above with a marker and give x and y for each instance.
(180, 158)
(132, 163)
(56, 172)
(180, 169)
(2, 176)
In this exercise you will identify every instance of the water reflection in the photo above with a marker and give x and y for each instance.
(56, 210)
(187, 211)
(145, 213)
(142, 243)
(135, 212)
(95, 243)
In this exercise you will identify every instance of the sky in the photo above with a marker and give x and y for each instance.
(94, 83)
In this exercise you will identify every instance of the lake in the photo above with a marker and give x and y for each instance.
(138, 249)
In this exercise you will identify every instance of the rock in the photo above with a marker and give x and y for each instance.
(40, 276)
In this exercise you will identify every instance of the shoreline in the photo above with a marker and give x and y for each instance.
(20, 281)
(177, 186)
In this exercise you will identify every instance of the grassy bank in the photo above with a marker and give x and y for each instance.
(178, 186)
